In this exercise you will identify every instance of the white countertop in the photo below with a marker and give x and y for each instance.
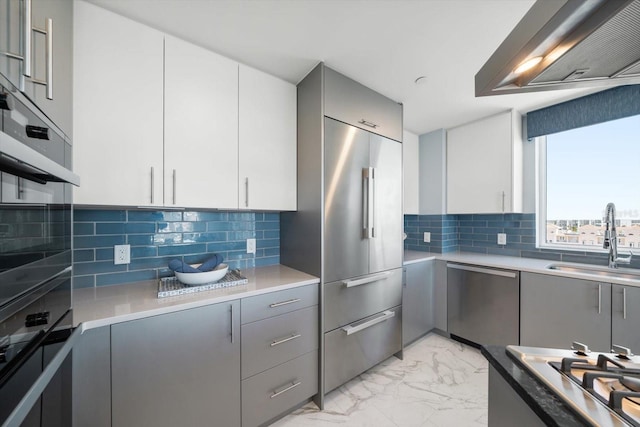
(106, 305)
(411, 257)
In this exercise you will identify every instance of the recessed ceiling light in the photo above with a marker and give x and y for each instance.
(420, 80)
(528, 64)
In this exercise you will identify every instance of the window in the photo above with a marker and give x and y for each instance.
(580, 171)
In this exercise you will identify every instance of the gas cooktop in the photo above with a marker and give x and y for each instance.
(603, 388)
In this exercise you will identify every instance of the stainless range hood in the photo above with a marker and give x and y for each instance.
(578, 43)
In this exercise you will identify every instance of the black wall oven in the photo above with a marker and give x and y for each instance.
(36, 332)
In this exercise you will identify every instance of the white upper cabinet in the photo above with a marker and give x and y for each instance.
(201, 127)
(118, 118)
(267, 142)
(410, 168)
(484, 166)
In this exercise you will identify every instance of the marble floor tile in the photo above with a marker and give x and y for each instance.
(440, 382)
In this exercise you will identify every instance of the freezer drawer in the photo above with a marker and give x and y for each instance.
(347, 301)
(273, 392)
(353, 349)
(276, 303)
(273, 341)
(483, 304)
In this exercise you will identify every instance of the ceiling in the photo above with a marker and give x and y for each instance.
(383, 44)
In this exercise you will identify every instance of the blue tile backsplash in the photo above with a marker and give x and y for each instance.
(159, 236)
(478, 233)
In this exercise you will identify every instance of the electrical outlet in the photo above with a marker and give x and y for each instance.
(122, 254)
(502, 238)
(251, 246)
(427, 237)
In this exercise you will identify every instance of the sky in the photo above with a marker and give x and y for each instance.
(591, 166)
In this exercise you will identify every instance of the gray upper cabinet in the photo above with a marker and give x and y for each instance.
(353, 103)
(625, 317)
(50, 85)
(11, 40)
(555, 311)
(417, 300)
(178, 369)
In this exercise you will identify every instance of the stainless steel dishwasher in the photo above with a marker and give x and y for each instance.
(483, 304)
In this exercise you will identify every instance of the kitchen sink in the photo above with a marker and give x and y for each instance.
(601, 271)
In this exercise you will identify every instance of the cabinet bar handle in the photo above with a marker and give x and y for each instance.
(19, 188)
(49, 57)
(152, 185)
(349, 329)
(624, 303)
(279, 304)
(233, 335)
(291, 387)
(502, 273)
(503, 200)
(246, 192)
(366, 123)
(365, 280)
(599, 298)
(27, 38)
(174, 186)
(282, 341)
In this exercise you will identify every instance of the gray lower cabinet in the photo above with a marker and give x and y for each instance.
(625, 317)
(354, 348)
(417, 300)
(91, 378)
(555, 311)
(181, 368)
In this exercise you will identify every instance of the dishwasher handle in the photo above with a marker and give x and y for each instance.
(502, 273)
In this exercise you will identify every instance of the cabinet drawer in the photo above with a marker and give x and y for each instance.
(345, 304)
(273, 341)
(350, 352)
(350, 102)
(275, 303)
(273, 392)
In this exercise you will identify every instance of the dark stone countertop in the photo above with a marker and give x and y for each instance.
(549, 407)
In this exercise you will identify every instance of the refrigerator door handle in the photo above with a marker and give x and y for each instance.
(372, 202)
(367, 199)
(365, 280)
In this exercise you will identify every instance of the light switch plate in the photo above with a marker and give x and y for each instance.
(427, 236)
(502, 238)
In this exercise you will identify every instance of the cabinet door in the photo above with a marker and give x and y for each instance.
(11, 38)
(625, 317)
(201, 127)
(267, 142)
(178, 369)
(59, 108)
(351, 102)
(417, 301)
(117, 109)
(555, 311)
(483, 169)
(385, 247)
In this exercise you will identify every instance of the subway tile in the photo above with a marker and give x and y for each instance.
(92, 215)
(127, 277)
(216, 247)
(110, 228)
(268, 243)
(271, 252)
(204, 237)
(268, 225)
(139, 227)
(83, 255)
(503, 224)
(140, 239)
(449, 249)
(487, 230)
(81, 242)
(514, 238)
(148, 263)
(242, 216)
(271, 260)
(104, 254)
(272, 216)
(527, 224)
(567, 257)
(528, 239)
(84, 268)
(271, 234)
(241, 235)
(83, 228)
(205, 216)
(181, 249)
(503, 251)
(80, 282)
(488, 217)
(473, 249)
(167, 239)
(181, 227)
(143, 251)
(541, 255)
(153, 216)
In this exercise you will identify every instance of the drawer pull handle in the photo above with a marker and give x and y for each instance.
(291, 387)
(353, 329)
(365, 280)
(279, 304)
(366, 123)
(284, 340)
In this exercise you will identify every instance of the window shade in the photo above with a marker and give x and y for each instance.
(611, 104)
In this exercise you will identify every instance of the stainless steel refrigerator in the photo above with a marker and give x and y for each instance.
(349, 223)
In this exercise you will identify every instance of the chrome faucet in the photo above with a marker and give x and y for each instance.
(611, 238)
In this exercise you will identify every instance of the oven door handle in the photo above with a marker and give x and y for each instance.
(23, 408)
